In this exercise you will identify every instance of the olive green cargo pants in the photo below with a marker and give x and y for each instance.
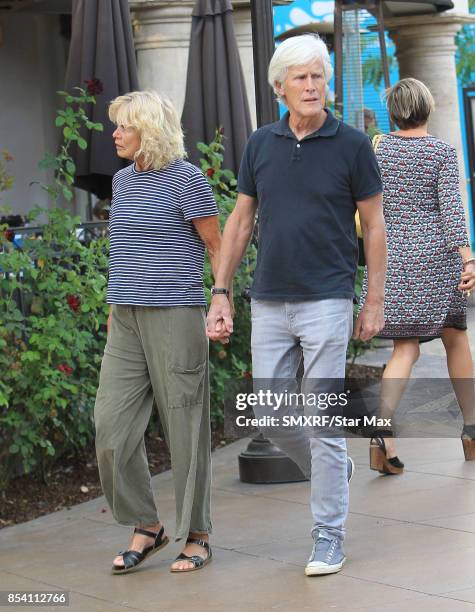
(162, 354)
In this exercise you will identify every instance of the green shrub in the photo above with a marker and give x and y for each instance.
(52, 320)
(50, 353)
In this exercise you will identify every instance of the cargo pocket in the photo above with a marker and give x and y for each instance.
(188, 358)
(186, 386)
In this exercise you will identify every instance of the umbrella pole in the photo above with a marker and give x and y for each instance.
(338, 51)
(262, 462)
(263, 47)
(382, 46)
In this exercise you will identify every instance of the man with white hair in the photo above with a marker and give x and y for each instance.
(306, 174)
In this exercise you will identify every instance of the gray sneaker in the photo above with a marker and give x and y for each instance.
(327, 557)
(350, 469)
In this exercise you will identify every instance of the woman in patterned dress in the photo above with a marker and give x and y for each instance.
(431, 270)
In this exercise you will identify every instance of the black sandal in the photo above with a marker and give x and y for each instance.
(133, 558)
(378, 459)
(198, 562)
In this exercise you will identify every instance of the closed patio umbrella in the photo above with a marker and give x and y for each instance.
(102, 47)
(215, 91)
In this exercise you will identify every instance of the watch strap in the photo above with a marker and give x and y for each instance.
(219, 291)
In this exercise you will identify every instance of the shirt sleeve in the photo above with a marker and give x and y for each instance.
(450, 202)
(365, 174)
(114, 190)
(196, 199)
(246, 179)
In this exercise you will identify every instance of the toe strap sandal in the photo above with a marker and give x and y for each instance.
(133, 558)
(378, 459)
(468, 442)
(197, 561)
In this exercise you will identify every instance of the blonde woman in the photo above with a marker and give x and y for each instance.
(431, 269)
(163, 216)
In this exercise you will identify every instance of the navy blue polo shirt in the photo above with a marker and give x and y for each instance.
(307, 192)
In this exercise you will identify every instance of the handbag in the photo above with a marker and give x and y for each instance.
(375, 142)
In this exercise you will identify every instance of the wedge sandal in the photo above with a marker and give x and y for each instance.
(197, 561)
(134, 558)
(378, 459)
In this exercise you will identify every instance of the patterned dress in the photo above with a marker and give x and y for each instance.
(425, 225)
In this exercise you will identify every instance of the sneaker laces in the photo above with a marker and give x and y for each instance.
(325, 546)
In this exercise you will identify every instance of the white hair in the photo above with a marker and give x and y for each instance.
(297, 51)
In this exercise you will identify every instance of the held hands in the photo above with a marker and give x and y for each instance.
(219, 322)
(467, 278)
(369, 322)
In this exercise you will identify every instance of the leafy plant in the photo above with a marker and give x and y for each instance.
(6, 180)
(465, 56)
(72, 119)
(52, 322)
(51, 341)
(372, 65)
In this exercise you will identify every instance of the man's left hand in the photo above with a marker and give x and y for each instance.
(369, 322)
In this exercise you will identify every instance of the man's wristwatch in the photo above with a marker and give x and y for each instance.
(219, 291)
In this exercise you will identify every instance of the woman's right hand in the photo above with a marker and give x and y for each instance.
(467, 278)
(109, 321)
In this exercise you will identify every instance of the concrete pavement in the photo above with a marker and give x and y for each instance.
(410, 543)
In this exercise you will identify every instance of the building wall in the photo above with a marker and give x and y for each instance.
(32, 67)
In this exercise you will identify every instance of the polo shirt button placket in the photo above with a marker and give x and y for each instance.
(297, 156)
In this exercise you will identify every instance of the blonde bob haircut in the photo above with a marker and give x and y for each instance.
(297, 51)
(409, 103)
(153, 115)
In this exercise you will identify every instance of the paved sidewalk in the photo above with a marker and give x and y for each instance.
(410, 544)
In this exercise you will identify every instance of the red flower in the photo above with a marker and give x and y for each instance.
(73, 302)
(221, 131)
(65, 369)
(210, 172)
(247, 375)
(9, 235)
(94, 87)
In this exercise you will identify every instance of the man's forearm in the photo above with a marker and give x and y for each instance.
(376, 261)
(214, 258)
(236, 237)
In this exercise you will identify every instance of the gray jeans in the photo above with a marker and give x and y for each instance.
(318, 331)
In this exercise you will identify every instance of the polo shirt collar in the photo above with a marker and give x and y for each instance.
(329, 128)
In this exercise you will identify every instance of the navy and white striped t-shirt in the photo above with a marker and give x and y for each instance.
(156, 254)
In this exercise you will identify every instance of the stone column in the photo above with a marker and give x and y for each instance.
(425, 50)
(162, 38)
